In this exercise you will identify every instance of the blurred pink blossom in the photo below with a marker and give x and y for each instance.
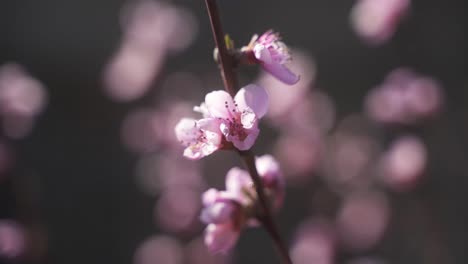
(12, 239)
(404, 98)
(220, 207)
(375, 21)
(131, 71)
(22, 98)
(362, 219)
(272, 55)
(151, 29)
(177, 209)
(220, 238)
(272, 177)
(158, 24)
(403, 164)
(20, 94)
(159, 249)
(225, 218)
(351, 154)
(314, 242)
(299, 154)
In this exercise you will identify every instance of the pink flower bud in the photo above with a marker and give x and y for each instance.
(272, 54)
(220, 238)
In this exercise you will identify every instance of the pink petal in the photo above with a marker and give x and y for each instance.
(268, 168)
(236, 181)
(187, 131)
(218, 213)
(219, 104)
(209, 124)
(252, 97)
(281, 72)
(248, 119)
(262, 53)
(247, 142)
(194, 152)
(220, 238)
(210, 128)
(209, 197)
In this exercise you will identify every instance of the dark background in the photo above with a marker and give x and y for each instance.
(81, 189)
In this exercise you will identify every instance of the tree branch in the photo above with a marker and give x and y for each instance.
(226, 62)
(225, 59)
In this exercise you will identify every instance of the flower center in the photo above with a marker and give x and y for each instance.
(233, 122)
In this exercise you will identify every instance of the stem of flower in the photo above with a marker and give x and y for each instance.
(227, 63)
(265, 216)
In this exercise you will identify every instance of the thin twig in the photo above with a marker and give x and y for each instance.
(265, 216)
(225, 59)
(226, 62)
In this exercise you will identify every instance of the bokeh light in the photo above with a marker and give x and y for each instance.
(12, 239)
(403, 164)
(362, 219)
(164, 249)
(178, 208)
(314, 243)
(404, 97)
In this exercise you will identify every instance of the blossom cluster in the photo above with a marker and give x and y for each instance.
(227, 212)
(232, 122)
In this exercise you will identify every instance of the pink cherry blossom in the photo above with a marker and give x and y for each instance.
(224, 216)
(220, 238)
(273, 54)
(272, 177)
(240, 187)
(238, 118)
(200, 137)
(376, 20)
(227, 212)
(220, 207)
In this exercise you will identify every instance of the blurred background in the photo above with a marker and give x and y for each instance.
(372, 140)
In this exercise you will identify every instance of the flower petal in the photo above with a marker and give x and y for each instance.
(281, 72)
(268, 168)
(248, 119)
(219, 104)
(248, 141)
(252, 97)
(220, 238)
(187, 131)
(202, 109)
(237, 180)
(218, 213)
(209, 197)
(262, 53)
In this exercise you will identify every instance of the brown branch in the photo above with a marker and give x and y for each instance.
(225, 60)
(227, 63)
(265, 216)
